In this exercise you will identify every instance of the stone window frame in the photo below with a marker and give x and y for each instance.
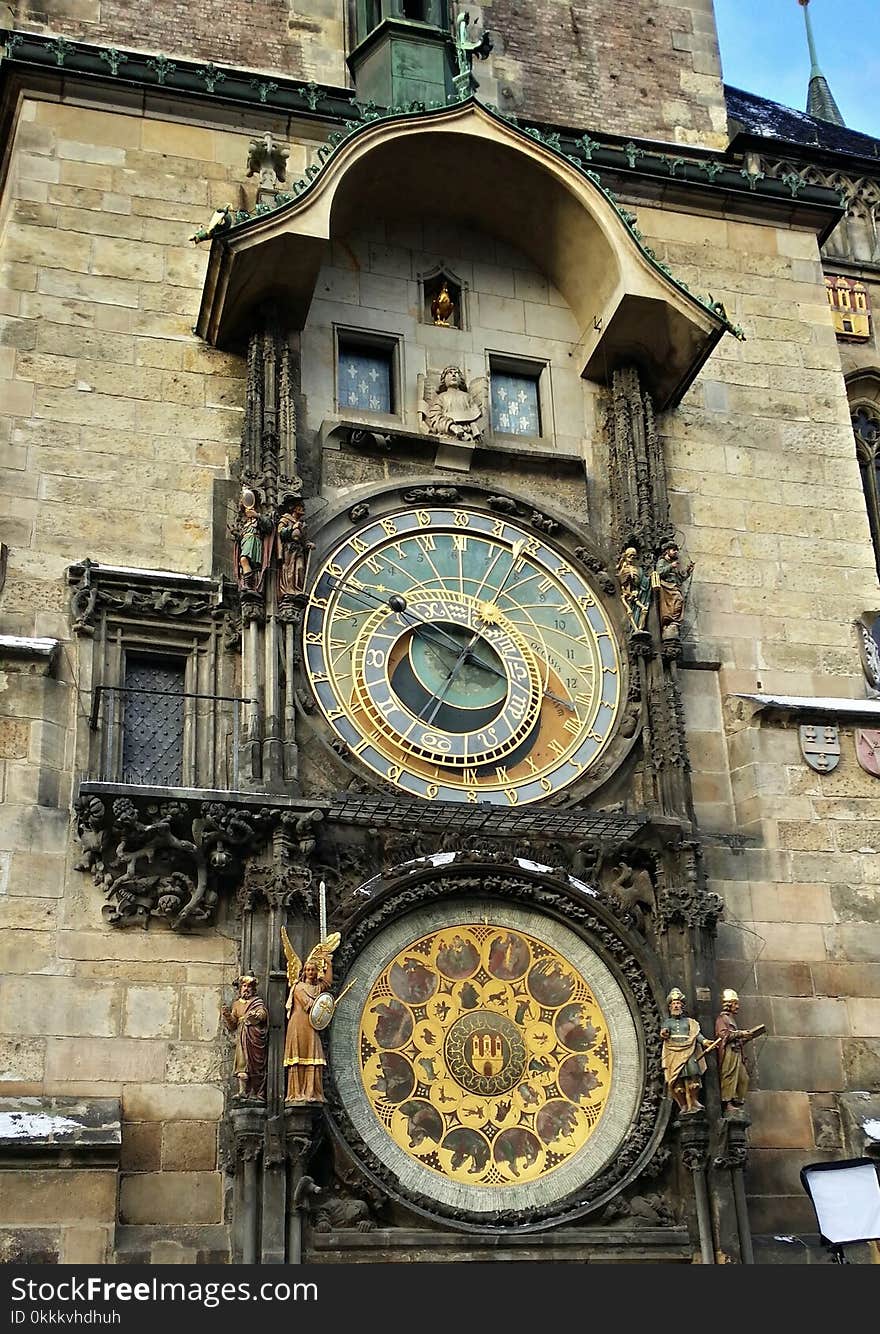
(120, 613)
(868, 455)
(534, 368)
(369, 339)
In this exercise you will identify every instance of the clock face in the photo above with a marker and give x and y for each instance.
(461, 657)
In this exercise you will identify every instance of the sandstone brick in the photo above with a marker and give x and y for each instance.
(141, 1146)
(780, 1120)
(189, 1146)
(810, 1017)
(150, 1012)
(864, 1016)
(34, 1006)
(119, 1059)
(814, 1064)
(164, 1102)
(846, 979)
(42, 1195)
(86, 1245)
(861, 1060)
(171, 1197)
(22, 1060)
(200, 1013)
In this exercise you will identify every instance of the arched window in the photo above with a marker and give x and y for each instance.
(866, 427)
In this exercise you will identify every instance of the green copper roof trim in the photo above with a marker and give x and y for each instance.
(237, 219)
(275, 93)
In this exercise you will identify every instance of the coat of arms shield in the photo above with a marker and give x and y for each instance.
(868, 750)
(820, 746)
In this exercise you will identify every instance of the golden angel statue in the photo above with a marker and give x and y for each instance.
(309, 1007)
(451, 407)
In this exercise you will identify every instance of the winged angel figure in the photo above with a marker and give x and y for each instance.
(303, 1052)
(451, 407)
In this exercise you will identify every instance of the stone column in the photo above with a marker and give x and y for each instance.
(248, 1127)
(693, 1132)
(733, 1157)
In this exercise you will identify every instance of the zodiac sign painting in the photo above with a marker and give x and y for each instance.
(485, 1055)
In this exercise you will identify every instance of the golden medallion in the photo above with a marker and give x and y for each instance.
(485, 1055)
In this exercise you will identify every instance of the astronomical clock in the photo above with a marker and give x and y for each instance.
(489, 1058)
(461, 656)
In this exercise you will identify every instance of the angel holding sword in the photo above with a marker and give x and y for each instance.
(303, 1051)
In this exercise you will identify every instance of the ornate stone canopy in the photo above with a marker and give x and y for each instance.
(474, 169)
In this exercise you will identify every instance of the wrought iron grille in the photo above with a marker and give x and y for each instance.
(152, 724)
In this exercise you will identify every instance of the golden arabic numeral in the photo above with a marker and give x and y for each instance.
(459, 541)
(319, 602)
(460, 519)
(546, 784)
(319, 678)
(427, 542)
(336, 570)
(563, 570)
(594, 736)
(359, 546)
(472, 797)
(431, 791)
(423, 518)
(497, 527)
(389, 527)
(612, 671)
(313, 638)
(532, 547)
(512, 795)
(393, 772)
(587, 601)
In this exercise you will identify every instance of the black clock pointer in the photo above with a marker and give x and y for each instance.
(398, 604)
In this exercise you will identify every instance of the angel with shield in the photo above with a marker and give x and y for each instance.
(308, 984)
(450, 407)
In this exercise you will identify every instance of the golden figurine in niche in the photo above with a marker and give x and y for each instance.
(443, 307)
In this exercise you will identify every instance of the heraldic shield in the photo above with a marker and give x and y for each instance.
(868, 750)
(820, 746)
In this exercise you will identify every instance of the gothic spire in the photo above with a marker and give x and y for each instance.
(820, 99)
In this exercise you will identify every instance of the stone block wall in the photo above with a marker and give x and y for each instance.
(115, 423)
(634, 67)
(305, 40)
(767, 494)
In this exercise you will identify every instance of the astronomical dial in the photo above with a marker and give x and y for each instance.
(461, 657)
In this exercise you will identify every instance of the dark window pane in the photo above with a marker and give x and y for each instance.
(515, 406)
(365, 378)
(152, 736)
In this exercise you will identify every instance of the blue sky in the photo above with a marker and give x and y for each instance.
(764, 50)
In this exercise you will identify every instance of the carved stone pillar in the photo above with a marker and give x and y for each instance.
(300, 1126)
(639, 498)
(693, 1132)
(269, 471)
(248, 1127)
(733, 1156)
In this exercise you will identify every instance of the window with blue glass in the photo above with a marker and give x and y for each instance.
(365, 377)
(516, 403)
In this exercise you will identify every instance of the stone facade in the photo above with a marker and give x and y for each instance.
(121, 435)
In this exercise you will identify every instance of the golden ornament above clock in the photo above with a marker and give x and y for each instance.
(461, 657)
